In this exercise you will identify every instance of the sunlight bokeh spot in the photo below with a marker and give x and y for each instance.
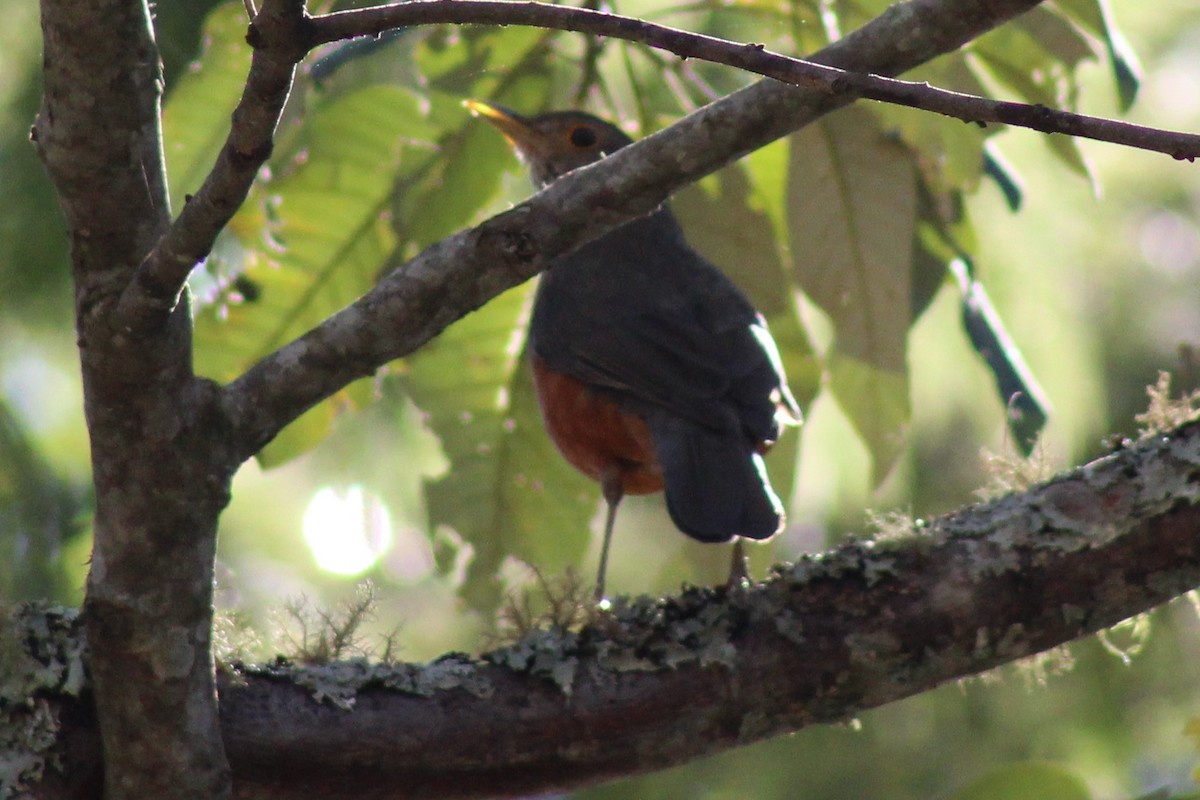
(348, 530)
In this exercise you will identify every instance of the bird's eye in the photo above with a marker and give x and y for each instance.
(582, 136)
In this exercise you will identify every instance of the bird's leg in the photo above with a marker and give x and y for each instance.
(610, 486)
(739, 568)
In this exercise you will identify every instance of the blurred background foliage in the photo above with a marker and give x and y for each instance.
(872, 242)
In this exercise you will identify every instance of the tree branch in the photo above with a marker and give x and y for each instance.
(462, 272)
(753, 58)
(159, 469)
(282, 37)
(657, 683)
(276, 34)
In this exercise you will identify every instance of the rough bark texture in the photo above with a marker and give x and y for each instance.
(160, 483)
(659, 682)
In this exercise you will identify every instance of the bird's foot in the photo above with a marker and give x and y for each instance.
(739, 569)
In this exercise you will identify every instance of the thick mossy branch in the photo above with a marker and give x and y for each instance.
(661, 681)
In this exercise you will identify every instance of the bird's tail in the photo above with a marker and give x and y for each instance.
(716, 484)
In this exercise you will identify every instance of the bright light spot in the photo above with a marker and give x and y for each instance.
(347, 530)
(40, 393)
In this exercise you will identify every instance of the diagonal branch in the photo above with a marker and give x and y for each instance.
(283, 34)
(156, 287)
(661, 682)
(757, 59)
(462, 272)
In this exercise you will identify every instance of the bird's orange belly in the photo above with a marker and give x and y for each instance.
(596, 435)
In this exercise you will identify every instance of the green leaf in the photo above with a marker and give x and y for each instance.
(950, 151)
(311, 427)
(852, 196)
(1037, 60)
(731, 227)
(331, 236)
(1031, 780)
(1024, 400)
(508, 492)
(480, 61)
(196, 115)
(39, 515)
(876, 401)
(1057, 35)
(1097, 17)
(460, 184)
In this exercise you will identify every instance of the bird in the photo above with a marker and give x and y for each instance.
(652, 370)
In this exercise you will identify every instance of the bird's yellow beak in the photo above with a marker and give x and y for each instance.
(515, 127)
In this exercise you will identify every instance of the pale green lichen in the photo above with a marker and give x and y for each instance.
(1165, 413)
(789, 625)
(638, 634)
(549, 654)
(1012, 472)
(41, 653)
(339, 682)
(892, 525)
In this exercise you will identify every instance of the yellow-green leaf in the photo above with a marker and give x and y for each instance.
(1032, 780)
(196, 115)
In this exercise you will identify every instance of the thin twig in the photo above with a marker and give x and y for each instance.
(155, 289)
(290, 34)
(458, 274)
(755, 58)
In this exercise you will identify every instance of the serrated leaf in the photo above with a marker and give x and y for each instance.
(1032, 780)
(195, 119)
(852, 195)
(507, 492)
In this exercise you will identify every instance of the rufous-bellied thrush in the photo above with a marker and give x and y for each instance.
(652, 370)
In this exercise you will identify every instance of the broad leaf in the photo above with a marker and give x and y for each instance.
(1096, 16)
(876, 401)
(507, 491)
(330, 232)
(852, 202)
(949, 151)
(196, 115)
(1036, 60)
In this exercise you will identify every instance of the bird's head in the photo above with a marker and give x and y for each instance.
(556, 142)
